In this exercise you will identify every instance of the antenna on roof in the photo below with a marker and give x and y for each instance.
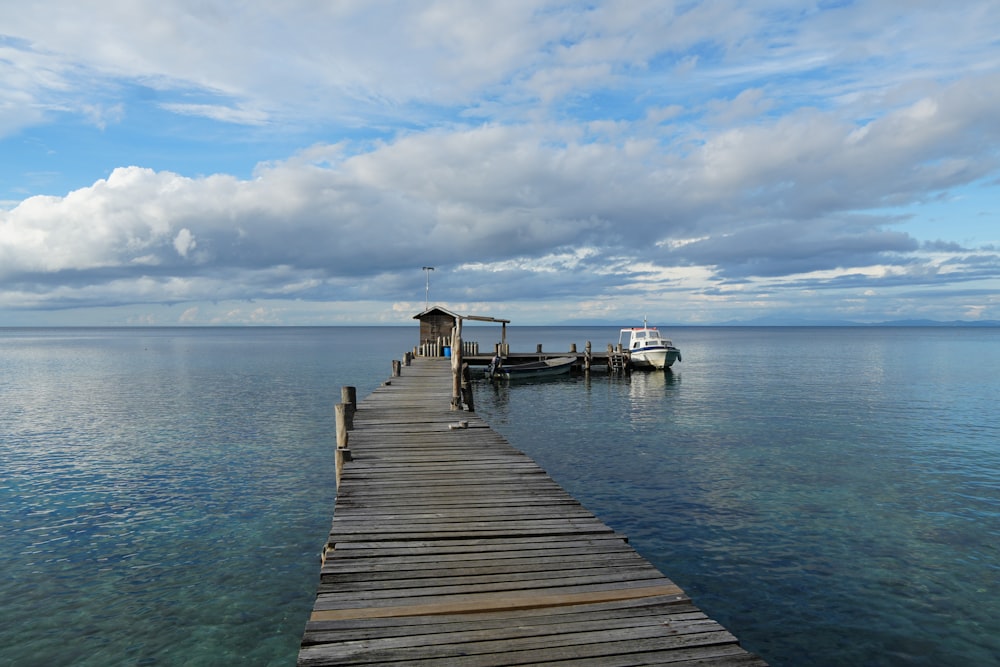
(427, 285)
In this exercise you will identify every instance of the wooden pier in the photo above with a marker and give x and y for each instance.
(450, 547)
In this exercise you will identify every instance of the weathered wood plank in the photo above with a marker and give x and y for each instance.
(527, 651)
(699, 633)
(332, 607)
(654, 609)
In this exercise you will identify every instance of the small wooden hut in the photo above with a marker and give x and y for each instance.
(436, 323)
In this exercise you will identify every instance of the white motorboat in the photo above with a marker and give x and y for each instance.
(647, 348)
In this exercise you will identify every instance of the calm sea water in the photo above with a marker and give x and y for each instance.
(831, 495)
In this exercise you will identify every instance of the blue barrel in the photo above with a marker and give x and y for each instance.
(447, 351)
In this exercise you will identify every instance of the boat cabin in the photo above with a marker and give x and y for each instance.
(640, 337)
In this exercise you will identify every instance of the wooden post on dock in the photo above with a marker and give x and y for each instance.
(396, 368)
(456, 365)
(467, 388)
(349, 397)
(343, 453)
(342, 436)
(586, 357)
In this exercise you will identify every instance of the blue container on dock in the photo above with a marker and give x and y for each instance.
(447, 351)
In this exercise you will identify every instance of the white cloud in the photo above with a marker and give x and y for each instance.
(709, 144)
(226, 114)
(184, 242)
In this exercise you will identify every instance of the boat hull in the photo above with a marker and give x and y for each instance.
(657, 359)
(535, 369)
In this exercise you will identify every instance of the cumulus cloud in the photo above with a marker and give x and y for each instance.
(184, 242)
(528, 149)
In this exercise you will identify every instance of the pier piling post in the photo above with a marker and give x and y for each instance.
(467, 388)
(342, 436)
(456, 366)
(349, 397)
(343, 453)
(397, 368)
(586, 357)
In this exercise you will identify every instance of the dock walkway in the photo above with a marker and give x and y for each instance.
(450, 547)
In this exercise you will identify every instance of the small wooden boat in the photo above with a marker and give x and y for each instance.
(545, 368)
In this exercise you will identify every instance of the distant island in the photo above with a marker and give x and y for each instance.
(778, 321)
(791, 322)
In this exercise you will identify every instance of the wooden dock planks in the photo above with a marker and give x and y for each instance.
(450, 547)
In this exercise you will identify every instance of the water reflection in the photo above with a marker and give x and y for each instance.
(649, 396)
(646, 392)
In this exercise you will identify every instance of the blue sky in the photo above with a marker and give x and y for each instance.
(177, 163)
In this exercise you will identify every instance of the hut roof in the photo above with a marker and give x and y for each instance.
(437, 309)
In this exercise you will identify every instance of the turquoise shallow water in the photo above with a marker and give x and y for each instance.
(831, 495)
(165, 493)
